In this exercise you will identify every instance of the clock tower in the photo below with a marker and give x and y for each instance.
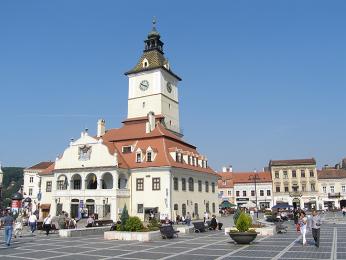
(153, 87)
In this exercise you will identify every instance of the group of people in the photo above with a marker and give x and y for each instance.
(303, 224)
(15, 226)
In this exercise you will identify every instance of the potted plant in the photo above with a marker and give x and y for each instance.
(243, 234)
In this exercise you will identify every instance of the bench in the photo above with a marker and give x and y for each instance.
(168, 232)
(199, 227)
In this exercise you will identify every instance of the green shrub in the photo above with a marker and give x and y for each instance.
(153, 225)
(134, 224)
(124, 217)
(236, 215)
(244, 222)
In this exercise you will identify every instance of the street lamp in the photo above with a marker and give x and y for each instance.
(255, 178)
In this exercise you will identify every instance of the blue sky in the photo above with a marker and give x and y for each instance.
(261, 79)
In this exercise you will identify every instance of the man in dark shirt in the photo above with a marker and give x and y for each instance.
(7, 222)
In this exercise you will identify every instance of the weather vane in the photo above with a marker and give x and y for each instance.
(154, 23)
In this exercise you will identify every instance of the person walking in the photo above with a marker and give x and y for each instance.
(47, 224)
(18, 226)
(7, 222)
(303, 223)
(32, 223)
(315, 227)
(344, 211)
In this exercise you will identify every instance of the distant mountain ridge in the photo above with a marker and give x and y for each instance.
(13, 180)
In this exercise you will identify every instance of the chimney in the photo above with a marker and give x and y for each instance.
(150, 125)
(101, 127)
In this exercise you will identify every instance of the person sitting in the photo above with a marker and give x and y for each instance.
(90, 222)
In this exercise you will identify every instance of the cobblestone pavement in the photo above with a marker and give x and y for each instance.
(210, 245)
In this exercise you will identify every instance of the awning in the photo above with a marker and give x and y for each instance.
(45, 206)
(227, 204)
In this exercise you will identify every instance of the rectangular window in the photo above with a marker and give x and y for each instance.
(261, 192)
(138, 157)
(189, 160)
(176, 183)
(149, 155)
(332, 189)
(312, 174)
(177, 157)
(200, 186)
(183, 184)
(237, 193)
(244, 193)
(139, 184)
(140, 208)
(252, 193)
(277, 175)
(221, 193)
(312, 186)
(206, 186)
(294, 174)
(302, 173)
(285, 175)
(343, 188)
(30, 191)
(127, 149)
(286, 189)
(277, 189)
(156, 183)
(229, 193)
(31, 179)
(197, 162)
(268, 193)
(303, 187)
(295, 188)
(213, 187)
(48, 186)
(324, 188)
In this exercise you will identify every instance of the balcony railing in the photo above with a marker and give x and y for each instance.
(334, 195)
(123, 193)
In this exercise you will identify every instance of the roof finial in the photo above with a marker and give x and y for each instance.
(154, 23)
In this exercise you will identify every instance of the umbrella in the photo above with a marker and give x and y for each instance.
(281, 206)
(249, 204)
(227, 204)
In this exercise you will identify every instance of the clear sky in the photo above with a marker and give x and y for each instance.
(261, 79)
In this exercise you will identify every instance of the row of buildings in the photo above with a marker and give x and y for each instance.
(294, 182)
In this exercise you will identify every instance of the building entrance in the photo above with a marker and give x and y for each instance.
(74, 208)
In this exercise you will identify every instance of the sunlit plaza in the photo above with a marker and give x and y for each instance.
(208, 245)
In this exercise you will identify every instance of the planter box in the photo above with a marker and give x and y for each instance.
(80, 232)
(243, 237)
(265, 231)
(136, 236)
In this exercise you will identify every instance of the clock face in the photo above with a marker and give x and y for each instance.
(144, 85)
(169, 87)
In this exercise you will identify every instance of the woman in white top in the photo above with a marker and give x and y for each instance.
(303, 223)
(47, 224)
(18, 226)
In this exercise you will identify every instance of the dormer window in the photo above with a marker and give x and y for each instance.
(149, 156)
(138, 157)
(189, 160)
(145, 63)
(127, 149)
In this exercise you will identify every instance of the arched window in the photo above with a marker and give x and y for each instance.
(91, 182)
(175, 207)
(76, 182)
(107, 181)
(191, 184)
(62, 182)
(122, 182)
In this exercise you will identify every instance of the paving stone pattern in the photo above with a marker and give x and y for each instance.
(205, 246)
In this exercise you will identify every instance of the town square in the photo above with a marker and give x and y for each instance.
(172, 130)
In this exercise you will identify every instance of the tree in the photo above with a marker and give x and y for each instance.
(124, 217)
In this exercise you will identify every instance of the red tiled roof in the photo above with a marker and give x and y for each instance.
(247, 177)
(311, 161)
(161, 140)
(331, 174)
(48, 170)
(40, 166)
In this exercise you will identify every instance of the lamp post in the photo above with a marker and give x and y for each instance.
(255, 178)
